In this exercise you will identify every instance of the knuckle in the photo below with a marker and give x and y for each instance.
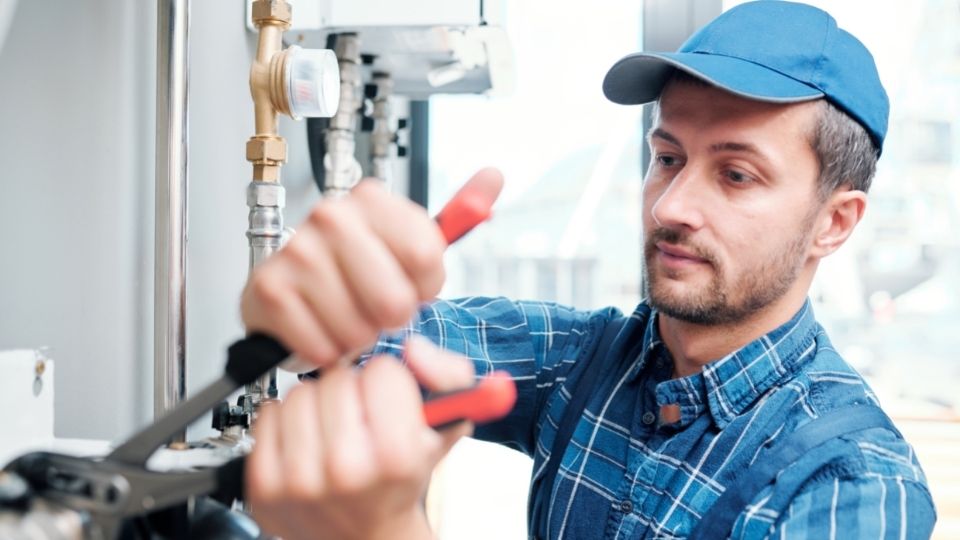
(396, 306)
(260, 487)
(374, 367)
(357, 335)
(320, 354)
(398, 465)
(301, 490)
(331, 218)
(264, 510)
(301, 396)
(424, 256)
(323, 216)
(433, 283)
(255, 487)
(366, 187)
(386, 368)
(299, 252)
(342, 473)
(266, 288)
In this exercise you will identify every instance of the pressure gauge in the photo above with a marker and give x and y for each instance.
(312, 82)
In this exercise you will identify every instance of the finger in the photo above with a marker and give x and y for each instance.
(302, 446)
(273, 307)
(487, 182)
(471, 205)
(262, 474)
(408, 232)
(327, 294)
(436, 369)
(448, 437)
(440, 371)
(395, 416)
(349, 459)
(371, 271)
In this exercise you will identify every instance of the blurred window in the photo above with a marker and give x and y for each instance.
(890, 298)
(567, 226)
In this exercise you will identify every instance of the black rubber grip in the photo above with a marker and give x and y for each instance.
(253, 356)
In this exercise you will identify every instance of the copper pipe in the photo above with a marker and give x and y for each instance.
(266, 150)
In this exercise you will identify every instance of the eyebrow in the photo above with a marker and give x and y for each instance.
(741, 147)
(660, 133)
(726, 146)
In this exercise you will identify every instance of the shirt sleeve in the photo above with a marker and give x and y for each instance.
(865, 507)
(535, 342)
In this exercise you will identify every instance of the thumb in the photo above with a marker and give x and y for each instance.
(471, 205)
(487, 183)
(440, 371)
(436, 369)
(450, 435)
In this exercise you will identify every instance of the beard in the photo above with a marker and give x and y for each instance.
(725, 299)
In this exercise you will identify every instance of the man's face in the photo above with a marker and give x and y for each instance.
(729, 203)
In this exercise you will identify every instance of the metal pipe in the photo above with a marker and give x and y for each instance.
(170, 235)
(382, 136)
(266, 234)
(341, 169)
(267, 151)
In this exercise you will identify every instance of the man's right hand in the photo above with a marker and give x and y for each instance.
(357, 266)
(349, 456)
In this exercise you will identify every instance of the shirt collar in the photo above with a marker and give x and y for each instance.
(727, 386)
(650, 344)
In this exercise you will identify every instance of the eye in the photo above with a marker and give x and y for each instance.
(667, 160)
(737, 177)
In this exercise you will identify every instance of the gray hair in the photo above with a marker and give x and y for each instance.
(845, 151)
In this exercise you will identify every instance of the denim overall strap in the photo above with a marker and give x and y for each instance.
(719, 520)
(589, 374)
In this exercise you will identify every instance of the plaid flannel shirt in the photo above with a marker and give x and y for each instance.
(626, 474)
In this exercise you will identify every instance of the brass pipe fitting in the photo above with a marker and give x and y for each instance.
(266, 150)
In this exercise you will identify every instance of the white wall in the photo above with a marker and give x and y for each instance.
(72, 143)
(76, 148)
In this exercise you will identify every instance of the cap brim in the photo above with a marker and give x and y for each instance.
(639, 78)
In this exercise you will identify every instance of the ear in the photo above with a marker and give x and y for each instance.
(836, 221)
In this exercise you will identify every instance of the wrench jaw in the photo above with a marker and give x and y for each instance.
(107, 493)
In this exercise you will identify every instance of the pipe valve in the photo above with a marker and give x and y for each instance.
(301, 83)
(312, 81)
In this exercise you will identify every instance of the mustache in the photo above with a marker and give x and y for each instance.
(677, 238)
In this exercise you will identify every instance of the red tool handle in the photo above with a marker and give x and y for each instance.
(468, 208)
(490, 399)
(494, 396)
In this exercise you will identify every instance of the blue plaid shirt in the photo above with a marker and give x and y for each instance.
(626, 474)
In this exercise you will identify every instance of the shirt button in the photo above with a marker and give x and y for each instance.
(649, 418)
(626, 507)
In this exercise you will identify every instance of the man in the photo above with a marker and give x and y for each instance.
(767, 127)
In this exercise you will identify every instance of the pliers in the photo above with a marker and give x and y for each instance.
(111, 490)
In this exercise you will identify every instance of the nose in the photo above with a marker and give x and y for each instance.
(679, 204)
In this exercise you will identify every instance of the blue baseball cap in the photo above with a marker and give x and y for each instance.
(780, 52)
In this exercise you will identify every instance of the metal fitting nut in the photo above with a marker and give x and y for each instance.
(267, 150)
(264, 10)
(265, 194)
